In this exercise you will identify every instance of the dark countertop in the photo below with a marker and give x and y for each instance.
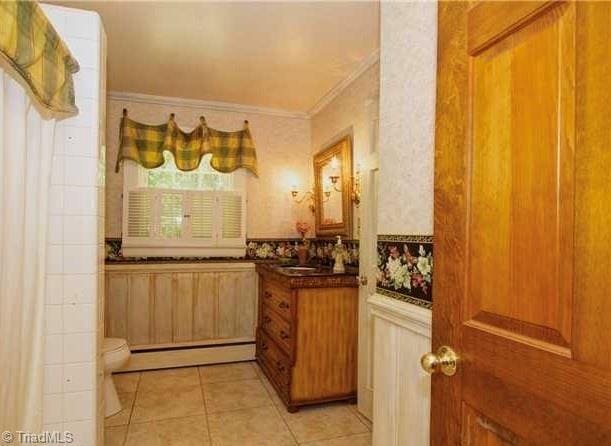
(170, 260)
(321, 277)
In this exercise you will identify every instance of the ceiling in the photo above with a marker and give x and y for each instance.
(284, 55)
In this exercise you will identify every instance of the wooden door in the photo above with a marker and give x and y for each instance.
(523, 224)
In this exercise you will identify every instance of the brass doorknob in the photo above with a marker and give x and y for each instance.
(445, 361)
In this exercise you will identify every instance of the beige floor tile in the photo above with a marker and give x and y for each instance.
(115, 436)
(323, 422)
(351, 440)
(235, 395)
(122, 418)
(174, 402)
(227, 372)
(251, 427)
(126, 382)
(191, 431)
(272, 393)
(169, 379)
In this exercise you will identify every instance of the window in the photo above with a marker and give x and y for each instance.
(172, 213)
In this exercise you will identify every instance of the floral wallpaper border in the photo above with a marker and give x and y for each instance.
(405, 268)
(268, 249)
(320, 249)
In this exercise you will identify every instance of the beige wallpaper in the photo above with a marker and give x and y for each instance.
(283, 152)
(351, 111)
(408, 62)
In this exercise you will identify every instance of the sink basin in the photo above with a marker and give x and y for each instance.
(300, 269)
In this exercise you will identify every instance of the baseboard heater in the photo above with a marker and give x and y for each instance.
(189, 356)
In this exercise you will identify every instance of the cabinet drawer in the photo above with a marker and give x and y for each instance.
(278, 299)
(277, 328)
(273, 361)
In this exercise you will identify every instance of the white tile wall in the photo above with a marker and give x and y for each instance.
(72, 357)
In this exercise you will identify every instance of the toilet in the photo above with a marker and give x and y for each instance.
(115, 354)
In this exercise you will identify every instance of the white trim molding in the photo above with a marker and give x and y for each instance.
(403, 314)
(363, 66)
(199, 103)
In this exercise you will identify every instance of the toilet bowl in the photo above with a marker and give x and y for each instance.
(115, 354)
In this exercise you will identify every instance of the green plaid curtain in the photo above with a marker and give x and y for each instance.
(145, 144)
(31, 49)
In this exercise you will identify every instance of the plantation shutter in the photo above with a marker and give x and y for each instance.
(202, 215)
(231, 218)
(171, 222)
(140, 213)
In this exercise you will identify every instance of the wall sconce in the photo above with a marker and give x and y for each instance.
(310, 196)
(355, 181)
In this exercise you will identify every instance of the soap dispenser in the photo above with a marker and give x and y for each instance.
(338, 255)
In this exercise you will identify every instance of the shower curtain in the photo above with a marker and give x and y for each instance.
(26, 149)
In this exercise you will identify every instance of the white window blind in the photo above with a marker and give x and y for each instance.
(231, 205)
(139, 214)
(202, 216)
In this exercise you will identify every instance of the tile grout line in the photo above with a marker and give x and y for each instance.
(332, 438)
(131, 412)
(201, 387)
(260, 376)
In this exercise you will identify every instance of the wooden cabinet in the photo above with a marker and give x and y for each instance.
(307, 336)
(156, 305)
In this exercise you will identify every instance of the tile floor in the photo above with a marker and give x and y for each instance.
(223, 405)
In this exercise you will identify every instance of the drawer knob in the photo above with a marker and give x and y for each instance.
(264, 346)
(283, 335)
(267, 294)
(283, 305)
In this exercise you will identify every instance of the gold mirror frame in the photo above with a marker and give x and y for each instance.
(343, 150)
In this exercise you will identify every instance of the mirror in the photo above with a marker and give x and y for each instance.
(332, 189)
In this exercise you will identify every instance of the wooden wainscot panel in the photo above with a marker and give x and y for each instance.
(115, 324)
(205, 307)
(183, 307)
(163, 308)
(139, 309)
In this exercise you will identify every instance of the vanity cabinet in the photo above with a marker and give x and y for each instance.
(307, 335)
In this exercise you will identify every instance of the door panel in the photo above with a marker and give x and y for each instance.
(521, 181)
(482, 431)
(522, 223)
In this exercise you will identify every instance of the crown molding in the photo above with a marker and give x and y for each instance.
(198, 103)
(363, 66)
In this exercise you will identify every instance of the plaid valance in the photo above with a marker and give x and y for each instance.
(34, 54)
(145, 144)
